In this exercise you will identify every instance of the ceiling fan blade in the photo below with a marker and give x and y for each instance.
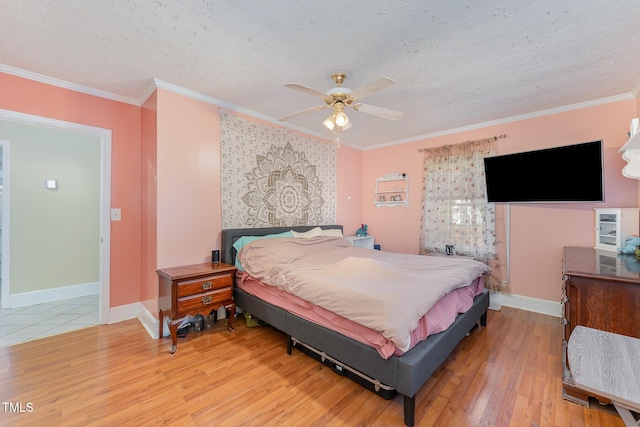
(371, 87)
(378, 111)
(307, 90)
(299, 113)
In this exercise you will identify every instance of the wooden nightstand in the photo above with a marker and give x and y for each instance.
(193, 289)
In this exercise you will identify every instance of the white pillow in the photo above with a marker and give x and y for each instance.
(336, 232)
(314, 232)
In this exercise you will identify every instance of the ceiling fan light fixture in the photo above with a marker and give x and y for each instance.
(338, 122)
(339, 97)
(341, 119)
(330, 122)
(345, 127)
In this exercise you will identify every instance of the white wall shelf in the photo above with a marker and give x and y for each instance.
(631, 153)
(392, 190)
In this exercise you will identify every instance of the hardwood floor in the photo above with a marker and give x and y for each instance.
(507, 374)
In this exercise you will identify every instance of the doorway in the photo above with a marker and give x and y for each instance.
(4, 237)
(103, 138)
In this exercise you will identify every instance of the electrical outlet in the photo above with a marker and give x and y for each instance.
(116, 214)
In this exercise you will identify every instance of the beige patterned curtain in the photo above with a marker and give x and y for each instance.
(455, 210)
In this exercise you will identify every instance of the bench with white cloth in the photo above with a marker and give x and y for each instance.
(607, 365)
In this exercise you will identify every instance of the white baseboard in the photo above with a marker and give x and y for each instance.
(536, 305)
(148, 320)
(124, 312)
(54, 294)
(152, 325)
(117, 314)
(136, 310)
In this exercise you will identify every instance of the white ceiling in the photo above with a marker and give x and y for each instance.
(456, 64)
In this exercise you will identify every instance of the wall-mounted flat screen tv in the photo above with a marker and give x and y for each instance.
(571, 173)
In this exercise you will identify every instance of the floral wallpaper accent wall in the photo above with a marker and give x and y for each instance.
(274, 177)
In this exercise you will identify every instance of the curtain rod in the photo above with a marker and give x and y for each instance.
(495, 138)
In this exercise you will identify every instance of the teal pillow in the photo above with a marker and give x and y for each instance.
(247, 239)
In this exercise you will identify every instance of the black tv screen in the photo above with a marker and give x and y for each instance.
(572, 173)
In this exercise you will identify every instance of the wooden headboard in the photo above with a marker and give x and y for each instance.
(229, 237)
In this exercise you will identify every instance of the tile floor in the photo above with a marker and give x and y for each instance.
(43, 320)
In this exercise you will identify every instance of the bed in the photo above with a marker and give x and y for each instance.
(404, 373)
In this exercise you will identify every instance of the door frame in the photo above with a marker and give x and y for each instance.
(5, 294)
(105, 204)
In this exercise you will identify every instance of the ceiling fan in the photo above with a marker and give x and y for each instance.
(341, 97)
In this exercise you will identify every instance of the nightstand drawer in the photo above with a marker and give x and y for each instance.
(203, 285)
(204, 301)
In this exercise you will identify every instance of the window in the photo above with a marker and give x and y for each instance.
(455, 208)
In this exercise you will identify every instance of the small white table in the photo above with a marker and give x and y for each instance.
(361, 241)
(608, 365)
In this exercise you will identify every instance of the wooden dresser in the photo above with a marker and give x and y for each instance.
(601, 290)
(194, 289)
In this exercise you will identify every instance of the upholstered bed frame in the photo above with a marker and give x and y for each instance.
(406, 374)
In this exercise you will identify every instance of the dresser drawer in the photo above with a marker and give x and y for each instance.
(203, 285)
(205, 301)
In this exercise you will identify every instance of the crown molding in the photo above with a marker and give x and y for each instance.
(636, 90)
(67, 85)
(156, 83)
(541, 113)
(153, 85)
(235, 108)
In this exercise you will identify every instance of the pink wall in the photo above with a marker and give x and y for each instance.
(185, 212)
(637, 114)
(188, 180)
(538, 232)
(149, 201)
(349, 189)
(165, 178)
(30, 97)
(393, 227)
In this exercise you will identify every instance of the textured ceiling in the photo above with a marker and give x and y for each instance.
(455, 64)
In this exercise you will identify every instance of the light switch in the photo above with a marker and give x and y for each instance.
(116, 214)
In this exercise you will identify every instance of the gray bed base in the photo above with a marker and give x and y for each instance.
(406, 374)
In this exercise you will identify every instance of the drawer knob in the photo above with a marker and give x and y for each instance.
(207, 299)
(206, 285)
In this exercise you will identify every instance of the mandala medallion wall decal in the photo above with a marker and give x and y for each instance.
(284, 190)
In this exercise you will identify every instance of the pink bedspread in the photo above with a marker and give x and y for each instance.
(384, 291)
(437, 319)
